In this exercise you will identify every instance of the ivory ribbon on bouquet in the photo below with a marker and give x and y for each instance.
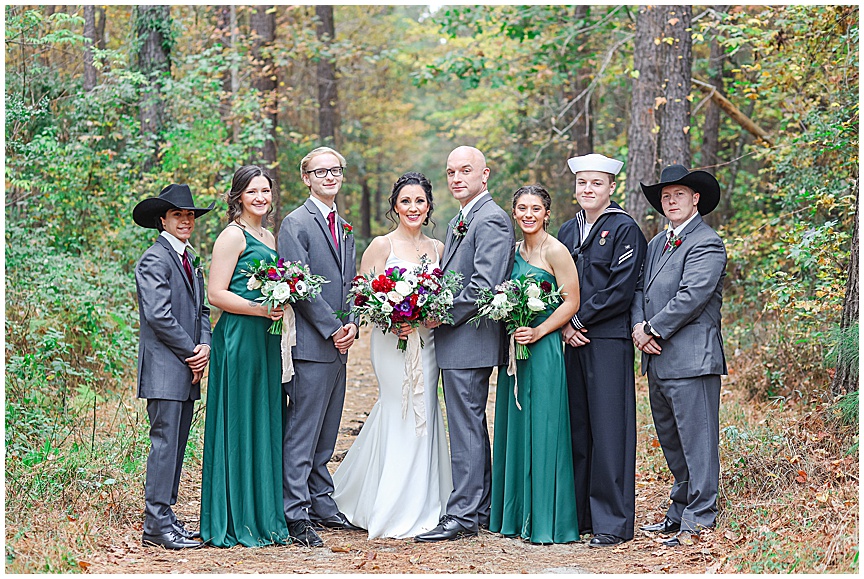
(412, 382)
(511, 370)
(289, 339)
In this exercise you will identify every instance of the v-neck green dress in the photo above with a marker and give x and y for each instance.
(241, 486)
(533, 494)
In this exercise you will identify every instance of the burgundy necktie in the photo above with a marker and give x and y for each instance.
(331, 220)
(187, 265)
(668, 239)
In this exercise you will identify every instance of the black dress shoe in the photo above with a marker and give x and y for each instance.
(302, 532)
(170, 540)
(605, 540)
(337, 521)
(448, 529)
(683, 538)
(184, 532)
(667, 525)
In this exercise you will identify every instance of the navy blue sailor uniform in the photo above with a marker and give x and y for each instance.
(600, 375)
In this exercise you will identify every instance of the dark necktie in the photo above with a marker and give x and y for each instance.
(187, 265)
(668, 239)
(331, 221)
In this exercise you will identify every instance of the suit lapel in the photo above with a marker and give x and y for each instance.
(175, 258)
(666, 255)
(322, 225)
(452, 241)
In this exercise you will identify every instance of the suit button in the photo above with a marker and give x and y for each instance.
(647, 300)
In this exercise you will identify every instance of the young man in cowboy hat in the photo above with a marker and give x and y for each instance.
(173, 352)
(608, 247)
(676, 324)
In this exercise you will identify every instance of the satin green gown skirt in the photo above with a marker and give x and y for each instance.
(533, 493)
(241, 486)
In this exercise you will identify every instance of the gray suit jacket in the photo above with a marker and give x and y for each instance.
(305, 237)
(484, 257)
(680, 293)
(173, 319)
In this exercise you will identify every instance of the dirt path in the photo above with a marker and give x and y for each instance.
(352, 552)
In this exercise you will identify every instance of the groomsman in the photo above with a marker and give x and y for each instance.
(608, 248)
(316, 235)
(676, 324)
(479, 245)
(173, 351)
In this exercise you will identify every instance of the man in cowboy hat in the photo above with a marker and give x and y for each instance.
(609, 248)
(173, 352)
(676, 324)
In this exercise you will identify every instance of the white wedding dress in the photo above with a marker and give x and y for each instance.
(394, 482)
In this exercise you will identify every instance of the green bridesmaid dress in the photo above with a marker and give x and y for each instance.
(533, 494)
(241, 486)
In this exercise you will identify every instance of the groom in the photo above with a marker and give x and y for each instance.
(317, 236)
(479, 245)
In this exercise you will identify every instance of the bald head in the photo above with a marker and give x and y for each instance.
(467, 173)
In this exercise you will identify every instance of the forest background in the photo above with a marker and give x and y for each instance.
(105, 105)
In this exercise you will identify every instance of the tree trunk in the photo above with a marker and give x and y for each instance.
(643, 129)
(846, 374)
(327, 95)
(91, 41)
(365, 208)
(677, 60)
(262, 24)
(582, 131)
(152, 24)
(100, 27)
(711, 128)
(227, 31)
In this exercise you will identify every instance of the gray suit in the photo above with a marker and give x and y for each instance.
(680, 293)
(466, 354)
(317, 391)
(173, 320)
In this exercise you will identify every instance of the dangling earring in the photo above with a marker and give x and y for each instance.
(545, 223)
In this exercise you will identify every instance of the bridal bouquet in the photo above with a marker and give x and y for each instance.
(516, 302)
(282, 282)
(400, 296)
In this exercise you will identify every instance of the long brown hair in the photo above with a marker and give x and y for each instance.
(239, 183)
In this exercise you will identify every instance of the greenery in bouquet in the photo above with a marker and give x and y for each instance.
(282, 282)
(516, 302)
(402, 296)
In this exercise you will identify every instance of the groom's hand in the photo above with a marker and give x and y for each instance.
(344, 338)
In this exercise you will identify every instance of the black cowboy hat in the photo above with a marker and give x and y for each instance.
(701, 182)
(173, 196)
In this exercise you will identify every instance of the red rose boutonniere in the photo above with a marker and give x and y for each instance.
(347, 229)
(673, 243)
(461, 229)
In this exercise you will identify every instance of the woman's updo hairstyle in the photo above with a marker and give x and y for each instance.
(410, 178)
(540, 192)
(242, 177)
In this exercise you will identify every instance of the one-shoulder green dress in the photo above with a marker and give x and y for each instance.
(533, 494)
(241, 486)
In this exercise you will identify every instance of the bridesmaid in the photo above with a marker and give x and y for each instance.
(241, 488)
(533, 495)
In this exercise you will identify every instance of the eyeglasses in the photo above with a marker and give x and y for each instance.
(321, 173)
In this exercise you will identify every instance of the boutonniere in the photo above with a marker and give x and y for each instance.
(460, 229)
(673, 242)
(347, 229)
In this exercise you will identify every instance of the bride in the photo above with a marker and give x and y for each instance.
(394, 482)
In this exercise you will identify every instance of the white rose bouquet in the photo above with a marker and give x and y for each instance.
(282, 282)
(516, 302)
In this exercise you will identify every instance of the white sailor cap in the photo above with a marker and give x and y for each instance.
(594, 162)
